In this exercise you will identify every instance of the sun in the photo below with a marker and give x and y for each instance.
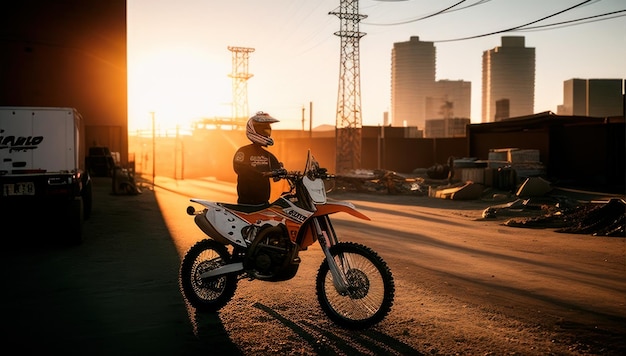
(178, 86)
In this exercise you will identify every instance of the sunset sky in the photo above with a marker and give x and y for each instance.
(179, 62)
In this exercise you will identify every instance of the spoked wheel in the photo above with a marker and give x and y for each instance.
(370, 287)
(210, 294)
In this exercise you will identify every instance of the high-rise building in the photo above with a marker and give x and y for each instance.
(415, 95)
(413, 65)
(508, 75)
(593, 97)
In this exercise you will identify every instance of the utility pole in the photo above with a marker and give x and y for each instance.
(153, 149)
(310, 119)
(349, 122)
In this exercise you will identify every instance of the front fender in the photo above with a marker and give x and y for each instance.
(205, 203)
(339, 206)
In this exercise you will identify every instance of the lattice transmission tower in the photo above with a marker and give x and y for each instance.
(240, 76)
(349, 121)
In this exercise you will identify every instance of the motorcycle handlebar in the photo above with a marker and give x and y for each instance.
(277, 173)
(284, 174)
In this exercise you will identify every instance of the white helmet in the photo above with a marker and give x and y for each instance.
(258, 128)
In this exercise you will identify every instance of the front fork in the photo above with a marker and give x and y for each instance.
(328, 238)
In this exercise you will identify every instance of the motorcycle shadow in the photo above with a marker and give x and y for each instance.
(324, 340)
(338, 341)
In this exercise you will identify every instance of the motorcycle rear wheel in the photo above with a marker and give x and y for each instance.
(206, 295)
(371, 287)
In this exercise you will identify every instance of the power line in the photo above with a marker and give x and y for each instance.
(420, 18)
(517, 27)
(523, 27)
(445, 10)
(574, 22)
(526, 27)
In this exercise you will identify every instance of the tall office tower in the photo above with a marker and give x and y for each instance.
(508, 74)
(412, 81)
(593, 97)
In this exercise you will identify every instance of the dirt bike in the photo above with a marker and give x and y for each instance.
(354, 285)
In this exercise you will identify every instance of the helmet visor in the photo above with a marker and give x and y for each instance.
(263, 128)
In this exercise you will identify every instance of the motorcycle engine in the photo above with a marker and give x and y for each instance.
(272, 255)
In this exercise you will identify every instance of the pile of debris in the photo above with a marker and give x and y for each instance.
(536, 203)
(593, 218)
(544, 207)
(378, 181)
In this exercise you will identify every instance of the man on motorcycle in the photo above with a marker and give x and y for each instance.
(251, 161)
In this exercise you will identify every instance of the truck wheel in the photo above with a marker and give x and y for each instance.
(75, 222)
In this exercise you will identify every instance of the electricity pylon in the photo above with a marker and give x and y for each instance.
(240, 77)
(349, 122)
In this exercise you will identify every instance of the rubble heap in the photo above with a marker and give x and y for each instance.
(597, 219)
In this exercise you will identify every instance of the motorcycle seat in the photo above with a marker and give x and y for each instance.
(246, 208)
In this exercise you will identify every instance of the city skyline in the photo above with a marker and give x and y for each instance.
(416, 96)
(178, 61)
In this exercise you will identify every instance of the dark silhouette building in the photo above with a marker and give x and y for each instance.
(69, 53)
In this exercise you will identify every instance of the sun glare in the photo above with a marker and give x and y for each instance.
(178, 87)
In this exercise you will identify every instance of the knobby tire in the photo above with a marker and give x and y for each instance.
(371, 292)
(208, 295)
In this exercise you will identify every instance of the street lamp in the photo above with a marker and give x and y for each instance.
(153, 149)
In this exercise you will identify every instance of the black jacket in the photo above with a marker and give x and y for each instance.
(249, 163)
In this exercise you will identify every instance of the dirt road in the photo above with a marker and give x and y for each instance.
(463, 285)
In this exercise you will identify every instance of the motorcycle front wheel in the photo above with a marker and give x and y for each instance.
(210, 294)
(370, 291)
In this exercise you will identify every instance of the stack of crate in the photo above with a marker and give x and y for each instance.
(511, 166)
(468, 169)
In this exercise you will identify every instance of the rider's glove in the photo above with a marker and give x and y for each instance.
(277, 173)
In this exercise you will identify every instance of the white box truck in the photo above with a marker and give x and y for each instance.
(42, 174)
